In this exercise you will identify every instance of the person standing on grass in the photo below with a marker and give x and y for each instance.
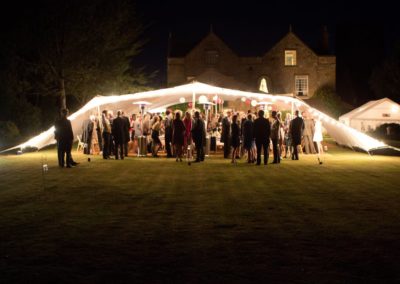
(318, 139)
(106, 135)
(118, 132)
(198, 135)
(275, 137)
(226, 134)
(308, 134)
(296, 133)
(155, 133)
(188, 122)
(168, 133)
(127, 126)
(247, 131)
(235, 139)
(64, 136)
(288, 138)
(178, 133)
(261, 134)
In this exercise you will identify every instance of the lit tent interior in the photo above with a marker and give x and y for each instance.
(163, 98)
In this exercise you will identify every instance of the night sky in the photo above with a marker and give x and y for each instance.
(250, 28)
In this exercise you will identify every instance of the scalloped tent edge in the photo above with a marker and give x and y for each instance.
(163, 98)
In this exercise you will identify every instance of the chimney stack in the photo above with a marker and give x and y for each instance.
(324, 40)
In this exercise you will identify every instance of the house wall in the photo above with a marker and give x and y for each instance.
(248, 71)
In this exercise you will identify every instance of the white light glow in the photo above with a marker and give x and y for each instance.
(164, 98)
(182, 100)
(141, 103)
(203, 99)
(243, 99)
(215, 98)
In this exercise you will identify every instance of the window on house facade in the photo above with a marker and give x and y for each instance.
(263, 85)
(290, 57)
(385, 114)
(211, 57)
(301, 85)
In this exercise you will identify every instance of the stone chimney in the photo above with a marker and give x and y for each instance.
(324, 40)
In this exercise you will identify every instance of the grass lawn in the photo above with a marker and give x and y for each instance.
(145, 220)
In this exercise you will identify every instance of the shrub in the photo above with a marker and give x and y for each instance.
(389, 131)
(326, 100)
(9, 133)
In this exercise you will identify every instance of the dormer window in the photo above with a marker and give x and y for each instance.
(211, 57)
(290, 57)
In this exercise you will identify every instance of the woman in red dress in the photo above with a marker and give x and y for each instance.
(187, 121)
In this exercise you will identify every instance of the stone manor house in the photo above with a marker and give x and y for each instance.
(289, 67)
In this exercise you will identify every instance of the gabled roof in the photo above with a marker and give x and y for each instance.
(179, 48)
(291, 34)
(365, 107)
(213, 36)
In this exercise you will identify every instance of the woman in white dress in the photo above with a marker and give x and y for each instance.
(318, 139)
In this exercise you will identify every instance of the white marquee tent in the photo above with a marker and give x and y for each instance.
(372, 114)
(163, 98)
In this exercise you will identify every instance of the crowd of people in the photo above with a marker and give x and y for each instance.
(242, 134)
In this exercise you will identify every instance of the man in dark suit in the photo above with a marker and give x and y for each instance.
(127, 126)
(261, 133)
(198, 134)
(168, 133)
(226, 134)
(296, 132)
(64, 136)
(118, 132)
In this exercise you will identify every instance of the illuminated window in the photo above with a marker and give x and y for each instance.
(290, 57)
(263, 85)
(301, 85)
(211, 57)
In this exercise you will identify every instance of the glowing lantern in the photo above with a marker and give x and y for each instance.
(203, 99)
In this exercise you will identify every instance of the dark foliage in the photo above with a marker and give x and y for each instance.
(63, 53)
(385, 79)
(326, 100)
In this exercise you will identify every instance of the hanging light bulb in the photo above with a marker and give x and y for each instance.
(203, 99)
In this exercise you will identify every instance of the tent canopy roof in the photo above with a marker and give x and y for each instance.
(164, 98)
(357, 112)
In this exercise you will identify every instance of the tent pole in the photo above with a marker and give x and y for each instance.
(193, 101)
